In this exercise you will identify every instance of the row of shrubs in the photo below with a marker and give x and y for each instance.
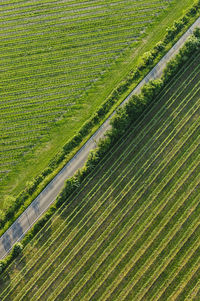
(148, 60)
(125, 117)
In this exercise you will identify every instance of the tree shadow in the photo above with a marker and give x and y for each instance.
(35, 206)
(6, 241)
(17, 231)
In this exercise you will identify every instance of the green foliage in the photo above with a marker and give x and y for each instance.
(17, 249)
(2, 266)
(159, 47)
(133, 110)
(124, 195)
(180, 24)
(197, 32)
(151, 89)
(120, 122)
(191, 45)
(148, 58)
(124, 117)
(8, 201)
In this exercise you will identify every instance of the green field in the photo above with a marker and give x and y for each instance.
(58, 64)
(131, 231)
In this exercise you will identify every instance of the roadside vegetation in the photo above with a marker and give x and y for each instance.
(51, 54)
(22, 123)
(130, 229)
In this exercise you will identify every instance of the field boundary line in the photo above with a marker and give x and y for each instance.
(50, 193)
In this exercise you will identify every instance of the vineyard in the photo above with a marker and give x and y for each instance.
(131, 230)
(52, 53)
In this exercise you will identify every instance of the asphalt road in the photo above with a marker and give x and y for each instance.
(50, 193)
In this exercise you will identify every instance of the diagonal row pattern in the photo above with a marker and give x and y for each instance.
(130, 232)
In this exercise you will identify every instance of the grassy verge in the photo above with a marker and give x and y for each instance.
(121, 70)
(106, 239)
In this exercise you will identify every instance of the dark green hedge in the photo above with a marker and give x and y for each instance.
(146, 64)
(122, 120)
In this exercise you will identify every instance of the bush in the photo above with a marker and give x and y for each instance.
(190, 47)
(124, 117)
(148, 58)
(151, 89)
(197, 32)
(17, 249)
(159, 47)
(147, 61)
(2, 266)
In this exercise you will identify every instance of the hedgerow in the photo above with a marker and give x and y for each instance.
(125, 117)
(122, 120)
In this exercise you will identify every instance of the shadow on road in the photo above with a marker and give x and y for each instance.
(35, 206)
(17, 231)
(6, 241)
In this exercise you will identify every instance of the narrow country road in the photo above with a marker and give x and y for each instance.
(49, 194)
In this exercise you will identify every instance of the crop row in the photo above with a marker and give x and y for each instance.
(72, 42)
(61, 14)
(176, 275)
(71, 78)
(76, 72)
(64, 66)
(79, 51)
(135, 286)
(57, 60)
(55, 53)
(47, 3)
(34, 111)
(61, 28)
(121, 255)
(75, 35)
(45, 56)
(190, 290)
(27, 105)
(63, 8)
(152, 120)
(93, 250)
(90, 16)
(28, 125)
(96, 224)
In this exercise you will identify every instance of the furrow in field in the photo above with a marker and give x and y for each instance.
(124, 266)
(165, 262)
(191, 291)
(182, 253)
(74, 36)
(189, 271)
(63, 9)
(70, 19)
(106, 252)
(122, 253)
